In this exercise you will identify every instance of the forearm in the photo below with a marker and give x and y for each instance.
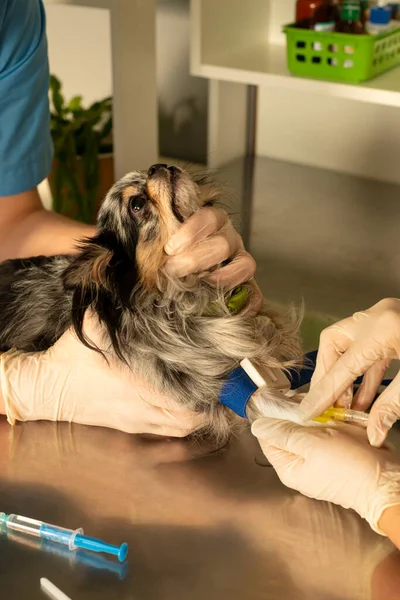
(27, 229)
(390, 524)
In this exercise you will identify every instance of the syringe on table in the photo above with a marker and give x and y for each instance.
(68, 537)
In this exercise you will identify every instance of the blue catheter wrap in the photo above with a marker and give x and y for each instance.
(238, 388)
(237, 391)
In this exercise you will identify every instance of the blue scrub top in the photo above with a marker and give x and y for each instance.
(26, 149)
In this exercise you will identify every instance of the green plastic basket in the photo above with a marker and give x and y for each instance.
(339, 56)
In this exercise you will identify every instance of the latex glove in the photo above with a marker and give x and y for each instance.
(365, 343)
(70, 382)
(205, 240)
(274, 404)
(335, 464)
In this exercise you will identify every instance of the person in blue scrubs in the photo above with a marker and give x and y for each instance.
(26, 229)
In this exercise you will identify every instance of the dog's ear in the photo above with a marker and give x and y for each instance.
(87, 277)
(82, 298)
(102, 279)
(90, 266)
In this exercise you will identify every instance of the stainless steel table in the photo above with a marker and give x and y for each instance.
(200, 522)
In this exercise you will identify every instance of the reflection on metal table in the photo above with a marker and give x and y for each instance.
(200, 523)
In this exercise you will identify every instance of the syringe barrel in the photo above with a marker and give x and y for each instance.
(355, 416)
(59, 535)
(42, 530)
(24, 525)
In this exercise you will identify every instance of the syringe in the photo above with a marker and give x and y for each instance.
(347, 415)
(68, 537)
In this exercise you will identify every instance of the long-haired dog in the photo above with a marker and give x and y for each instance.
(179, 334)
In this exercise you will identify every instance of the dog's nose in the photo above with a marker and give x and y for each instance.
(174, 169)
(154, 168)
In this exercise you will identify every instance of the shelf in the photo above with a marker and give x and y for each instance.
(244, 43)
(266, 66)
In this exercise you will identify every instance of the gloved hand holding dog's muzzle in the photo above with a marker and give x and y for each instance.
(70, 382)
(207, 239)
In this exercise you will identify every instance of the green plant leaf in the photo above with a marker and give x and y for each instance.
(104, 104)
(77, 133)
(56, 96)
(75, 104)
(55, 83)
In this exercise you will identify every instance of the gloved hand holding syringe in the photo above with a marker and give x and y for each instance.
(335, 464)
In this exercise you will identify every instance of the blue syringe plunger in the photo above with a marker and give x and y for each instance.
(89, 543)
(68, 537)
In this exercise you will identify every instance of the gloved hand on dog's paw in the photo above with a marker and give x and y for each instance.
(70, 382)
(205, 240)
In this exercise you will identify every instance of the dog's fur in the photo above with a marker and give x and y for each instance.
(161, 327)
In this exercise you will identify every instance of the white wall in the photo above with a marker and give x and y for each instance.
(182, 99)
(80, 54)
(173, 61)
(338, 134)
(80, 50)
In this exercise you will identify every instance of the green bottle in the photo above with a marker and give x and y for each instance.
(350, 19)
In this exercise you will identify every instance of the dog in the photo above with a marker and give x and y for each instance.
(177, 333)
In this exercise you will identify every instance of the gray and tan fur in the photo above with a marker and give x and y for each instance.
(161, 327)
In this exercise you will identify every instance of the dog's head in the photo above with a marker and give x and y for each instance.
(136, 219)
(144, 209)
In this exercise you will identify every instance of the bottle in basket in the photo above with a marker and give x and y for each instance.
(326, 16)
(379, 20)
(350, 21)
(364, 5)
(395, 7)
(305, 10)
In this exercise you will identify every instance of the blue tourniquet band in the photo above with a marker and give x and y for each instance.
(237, 391)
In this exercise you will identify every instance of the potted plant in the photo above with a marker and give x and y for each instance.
(81, 137)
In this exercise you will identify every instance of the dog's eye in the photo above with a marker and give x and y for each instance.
(137, 203)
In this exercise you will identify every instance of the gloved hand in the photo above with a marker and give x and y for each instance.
(70, 382)
(365, 343)
(206, 239)
(335, 464)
